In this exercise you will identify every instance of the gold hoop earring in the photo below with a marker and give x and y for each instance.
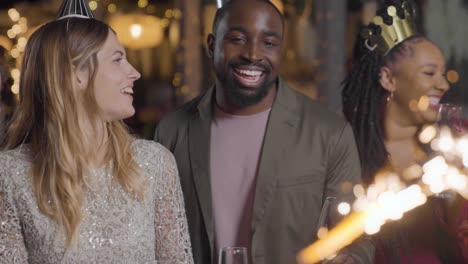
(390, 97)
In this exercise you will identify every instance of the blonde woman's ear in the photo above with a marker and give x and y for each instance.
(81, 79)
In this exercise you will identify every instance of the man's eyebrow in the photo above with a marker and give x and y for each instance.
(272, 33)
(238, 28)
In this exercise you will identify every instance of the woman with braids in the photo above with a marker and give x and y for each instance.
(75, 187)
(394, 68)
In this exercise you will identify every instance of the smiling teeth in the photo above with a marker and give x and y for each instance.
(127, 90)
(434, 100)
(251, 73)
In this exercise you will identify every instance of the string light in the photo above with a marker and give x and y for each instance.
(135, 30)
(11, 34)
(15, 73)
(22, 41)
(13, 14)
(19, 27)
(15, 88)
(93, 5)
(151, 9)
(165, 22)
(142, 3)
(19, 31)
(177, 13)
(112, 8)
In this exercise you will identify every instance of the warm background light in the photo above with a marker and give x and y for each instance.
(14, 15)
(452, 76)
(93, 5)
(137, 31)
(112, 8)
(142, 3)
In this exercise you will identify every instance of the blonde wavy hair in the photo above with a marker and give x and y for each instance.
(52, 116)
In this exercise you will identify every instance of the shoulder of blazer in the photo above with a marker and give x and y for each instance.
(173, 126)
(181, 115)
(312, 113)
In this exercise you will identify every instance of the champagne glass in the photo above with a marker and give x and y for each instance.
(451, 115)
(324, 213)
(233, 255)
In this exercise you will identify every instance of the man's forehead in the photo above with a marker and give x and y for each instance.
(251, 7)
(244, 15)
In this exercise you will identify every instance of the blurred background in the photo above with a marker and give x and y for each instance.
(165, 41)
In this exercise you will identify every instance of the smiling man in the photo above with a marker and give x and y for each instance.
(257, 159)
(245, 48)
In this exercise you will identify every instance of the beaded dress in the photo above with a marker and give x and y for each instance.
(115, 227)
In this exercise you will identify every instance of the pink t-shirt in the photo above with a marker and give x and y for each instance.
(235, 148)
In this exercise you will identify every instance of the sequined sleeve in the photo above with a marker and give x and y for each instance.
(172, 237)
(12, 248)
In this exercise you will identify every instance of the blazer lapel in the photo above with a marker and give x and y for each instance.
(199, 148)
(283, 119)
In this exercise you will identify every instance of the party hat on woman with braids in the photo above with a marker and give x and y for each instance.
(75, 8)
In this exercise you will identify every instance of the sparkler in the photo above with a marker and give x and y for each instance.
(389, 198)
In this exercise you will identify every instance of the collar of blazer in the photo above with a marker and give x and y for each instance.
(286, 100)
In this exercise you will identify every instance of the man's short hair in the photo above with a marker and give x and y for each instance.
(222, 11)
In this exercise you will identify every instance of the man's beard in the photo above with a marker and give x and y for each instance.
(240, 96)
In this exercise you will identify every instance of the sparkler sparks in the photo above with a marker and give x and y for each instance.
(389, 197)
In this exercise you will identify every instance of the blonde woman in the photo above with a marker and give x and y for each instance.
(75, 187)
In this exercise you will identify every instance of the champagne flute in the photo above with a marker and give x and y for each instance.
(324, 213)
(451, 115)
(233, 255)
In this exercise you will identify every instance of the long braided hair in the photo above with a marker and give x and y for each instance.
(364, 102)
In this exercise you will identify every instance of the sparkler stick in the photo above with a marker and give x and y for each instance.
(352, 227)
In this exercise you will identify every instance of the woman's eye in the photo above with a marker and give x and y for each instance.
(429, 73)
